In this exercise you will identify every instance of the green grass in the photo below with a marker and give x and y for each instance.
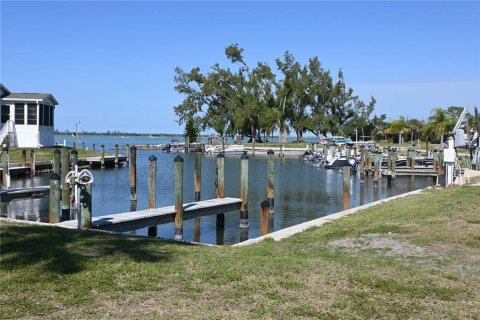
(47, 272)
(42, 154)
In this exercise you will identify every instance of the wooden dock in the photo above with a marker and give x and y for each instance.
(16, 169)
(424, 172)
(23, 193)
(135, 220)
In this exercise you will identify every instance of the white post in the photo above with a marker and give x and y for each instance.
(449, 160)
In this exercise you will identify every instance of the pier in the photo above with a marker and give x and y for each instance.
(128, 221)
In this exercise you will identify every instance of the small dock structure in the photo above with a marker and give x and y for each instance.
(24, 193)
(128, 221)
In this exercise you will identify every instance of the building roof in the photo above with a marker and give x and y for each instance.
(30, 96)
(3, 91)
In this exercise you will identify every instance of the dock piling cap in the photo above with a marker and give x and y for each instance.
(270, 151)
(178, 159)
(74, 151)
(244, 155)
(221, 155)
(152, 158)
(265, 204)
(198, 149)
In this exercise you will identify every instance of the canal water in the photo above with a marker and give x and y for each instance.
(302, 192)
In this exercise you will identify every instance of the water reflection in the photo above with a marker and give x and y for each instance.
(302, 193)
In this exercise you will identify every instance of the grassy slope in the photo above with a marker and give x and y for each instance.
(432, 273)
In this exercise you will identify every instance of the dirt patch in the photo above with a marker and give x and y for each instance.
(383, 243)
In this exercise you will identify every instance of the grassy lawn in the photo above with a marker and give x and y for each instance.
(42, 154)
(412, 258)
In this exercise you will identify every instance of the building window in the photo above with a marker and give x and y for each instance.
(5, 113)
(19, 113)
(40, 116)
(52, 112)
(46, 115)
(32, 114)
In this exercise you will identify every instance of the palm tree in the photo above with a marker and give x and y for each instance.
(439, 124)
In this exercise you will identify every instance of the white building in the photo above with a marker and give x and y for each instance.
(27, 119)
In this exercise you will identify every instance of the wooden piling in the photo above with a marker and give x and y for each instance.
(362, 164)
(265, 218)
(244, 191)
(435, 161)
(102, 157)
(127, 148)
(56, 161)
(24, 158)
(178, 172)
(187, 144)
(5, 169)
(369, 162)
(394, 163)
(346, 187)
(93, 147)
(376, 169)
(86, 206)
(54, 210)
(152, 190)
(83, 145)
(32, 162)
(220, 186)
(73, 195)
(271, 181)
(65, 186)
(133, 173)
(197, 175)
(74, 159)
(116, 156)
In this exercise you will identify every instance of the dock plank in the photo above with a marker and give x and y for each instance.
(23, 193)
(150, 217)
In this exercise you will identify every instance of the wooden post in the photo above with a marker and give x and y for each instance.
(412, 159)
(5, 169)
(220, 186)
(244, 191)
(65, 186)
(83, 145)
(24, 158)
(133, 174)
(375, 170)
(85, 206)
(390, 165)
(369, 162)
(362, 164)
(346, 187)
(32, 161)
(435, 159)
(74, 159)
(102, 157)
(127, 148)
(152, 190)
(197, 175)
(394, 163)
(56, 161)
(178, 168)
(93, 147)
(271, 181)
(73, 196)
(265, 218)
(187, 144)
(116, 156)
(54, 212)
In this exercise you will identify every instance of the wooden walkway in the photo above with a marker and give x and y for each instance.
(425, 172)
(23, 193)
(135, 220)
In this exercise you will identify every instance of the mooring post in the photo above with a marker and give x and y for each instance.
(197, 181)
(5, 169)
(32, 161)
(56, 161)
(152, 190)
(271, 181)
(244, 191)
(24, 158)
(73, 195)
(85, 206)
(74, 158)
(394, 163)
(412, 159)
(83, 145)
(220, 186)
(435, 159)
(187, 144)
(133, 174)
(116, 156)
(54, 212)
(375, 170)
(102, 157)
(346, 187)
(369, 162)
(178, 168)
(265, 218)
(65, 186)
(390, 164)
(127, 150)
(93, 147)
(362, 164)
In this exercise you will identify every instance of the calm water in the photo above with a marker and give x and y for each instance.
(302, 192)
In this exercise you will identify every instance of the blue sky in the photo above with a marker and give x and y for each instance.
(111, 64)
